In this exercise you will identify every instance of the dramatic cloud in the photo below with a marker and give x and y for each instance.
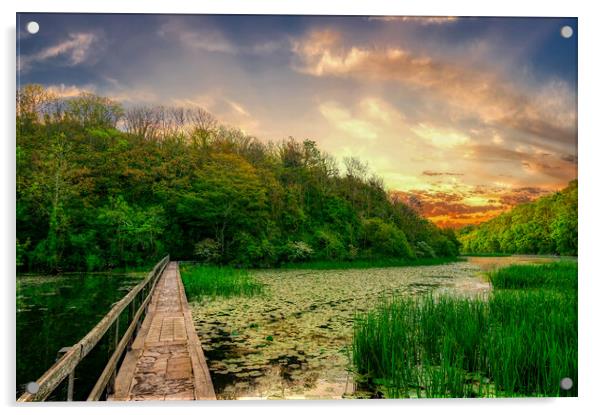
(467, 205)
(548, 114)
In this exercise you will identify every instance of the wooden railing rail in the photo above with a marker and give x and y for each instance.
(65, 365)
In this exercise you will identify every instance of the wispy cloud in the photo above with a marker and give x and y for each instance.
(69, 91)
(209, 38)
(342, 119)
(440, 173)
(422, 20)
(200, 38)
(71, 52)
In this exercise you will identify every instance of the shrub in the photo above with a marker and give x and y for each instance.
(385, 239)
(208, 251)
(424, 250)
(297, 251)
(330, 245)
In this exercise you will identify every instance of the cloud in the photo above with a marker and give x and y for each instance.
(76, 50)
(559, 167)
(440, 173)
(201, 37)
(463, 204)
(207, 37)
(343, 120)
(439, 137)
(422, 20)
(69, 91)
(226, 110)
(547, 113)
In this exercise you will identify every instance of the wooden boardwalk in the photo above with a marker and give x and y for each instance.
(166, 361)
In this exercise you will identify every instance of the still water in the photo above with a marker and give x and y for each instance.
(293, 342)
(57, 311)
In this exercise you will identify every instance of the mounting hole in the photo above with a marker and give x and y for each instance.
(33, 27)
(566, 383)
(566, 32)
(32, 387)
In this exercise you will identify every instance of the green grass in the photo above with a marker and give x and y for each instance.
(206, 281)
(511, 343)
(373, 263)
(555, 275)
(493, 254)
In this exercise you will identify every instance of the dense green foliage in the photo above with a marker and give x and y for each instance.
(209, 281)
(100, 187)
(546, 226)
(516, 342)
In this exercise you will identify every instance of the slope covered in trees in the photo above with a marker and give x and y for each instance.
(547, 225)
(99, 186)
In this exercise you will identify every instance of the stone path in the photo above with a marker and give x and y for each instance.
(166, 361)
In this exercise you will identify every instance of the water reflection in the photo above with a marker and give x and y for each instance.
(57, 311)
(294, 341)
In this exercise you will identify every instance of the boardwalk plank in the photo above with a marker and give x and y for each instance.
(166, 361)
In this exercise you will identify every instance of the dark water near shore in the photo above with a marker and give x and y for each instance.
(57, 311)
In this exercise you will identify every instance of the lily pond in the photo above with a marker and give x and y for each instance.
(292, 341)
(57, 311)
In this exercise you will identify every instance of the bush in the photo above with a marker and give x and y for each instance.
(208, 251)
(329, 245)
(424, 250)
(297, 251)
(385, 239)
(251, 251)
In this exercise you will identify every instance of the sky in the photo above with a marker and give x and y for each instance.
(463, 117)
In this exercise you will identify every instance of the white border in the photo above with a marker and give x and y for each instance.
(590, 157)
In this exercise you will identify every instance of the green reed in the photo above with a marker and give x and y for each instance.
(511, 343)
(206, 281)
(554, 275)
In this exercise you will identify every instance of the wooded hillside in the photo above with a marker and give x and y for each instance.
(547, 225)
(99, 186)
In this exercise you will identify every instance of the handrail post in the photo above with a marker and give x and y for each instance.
(132, 314)
(111, 385)
(70, 386)
(71, 378)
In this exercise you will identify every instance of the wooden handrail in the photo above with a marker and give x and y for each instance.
(53, 377)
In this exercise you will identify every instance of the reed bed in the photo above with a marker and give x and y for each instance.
(206, 281)
(511, 343)
(555, 275)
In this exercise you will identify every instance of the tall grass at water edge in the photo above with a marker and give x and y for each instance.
(206, 281)
(515, 342)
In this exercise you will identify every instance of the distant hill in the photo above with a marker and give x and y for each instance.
(547, 225)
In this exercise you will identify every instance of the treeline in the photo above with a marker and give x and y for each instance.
(99, 187)
(547, 225)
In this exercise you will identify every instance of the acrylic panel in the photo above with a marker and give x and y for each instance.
(288, 206)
